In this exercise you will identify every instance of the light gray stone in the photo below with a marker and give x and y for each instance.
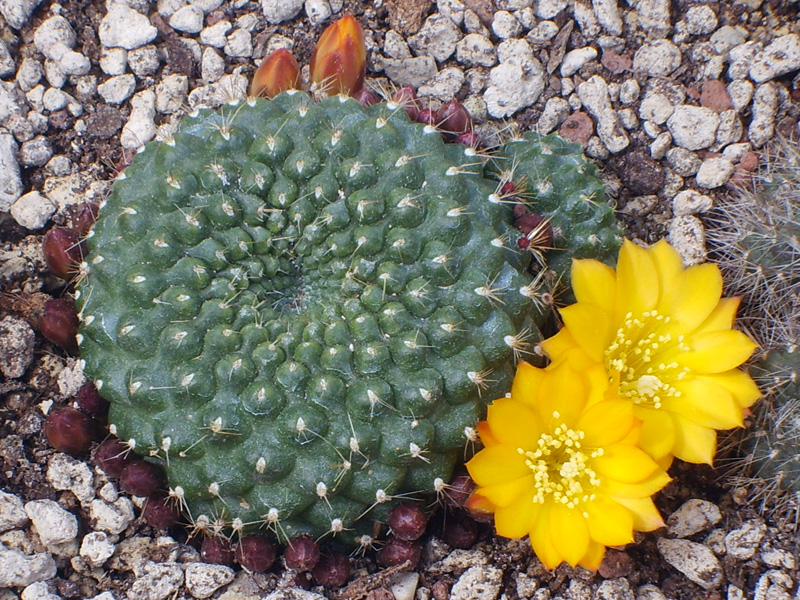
(171, 93)
(476, 50)
(741, 93)
(188, 19)
(202, 579)
(547, 9)
(53, 73)
(16, 354)
(239, 44)
(657, 59)
(207, 5)
(35, 153)
(595, 98)
(10, 180)
(12, 511)
(414, 71)
(765, 107)
(743, 542)
(517, 82)
(318, 11)
(660, 145)
(294, 594)
(123, 27)
(445, 85)
(649, 591)
(38, 591)
(505, 25)
(53, 524)
(454, 10)
(780, 57)
(67, 473)
(730, 128)
(212, 66)
(741, 58)
(29, 73)
(140, 127)
(54, 99)
(543, 32)
(774, 585)
(556, 110)
(404, 585)
(394, 46)
(278, 11)
(696, 561)
(74, 63)
(53, 35)
(7, 66)
(145, 60)
(96, 548)
(694, 515)
(117, 89)
(575, 59)
(113, 61)
(608, 15)
(479, 582)
(33, 210)
(17, 12)
(701, 19)
(19, 570)
(156, 581)
(727, 37)
(654, 17)
(614, 589)
(216, 34)
(438, 38)
(693, 127)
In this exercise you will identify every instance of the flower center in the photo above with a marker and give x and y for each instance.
(642, 353)
(560, 467)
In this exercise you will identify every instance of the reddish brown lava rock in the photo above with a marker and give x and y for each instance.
(578, 127)
(714, 95)
(615, 564)
(615, 62)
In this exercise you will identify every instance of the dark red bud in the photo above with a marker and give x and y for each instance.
(59, 323)
(160, 512)
(366, 97)
(255, 553)
(426, 116)
(453, 117)
(141, 478)
(332, 571)
(69, 430)
(396, 552)
(406, 97)
(277, 73)
(468, 138)
(460, 531)
(408, 521)
(84, 218)
(90, 401)
(461, 488)
(217, 551)
(112, 456)
(524, 243)
(302, 553)
(62, 251)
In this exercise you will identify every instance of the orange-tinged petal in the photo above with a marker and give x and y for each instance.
(277, 73)
(658, 431)
(478, 503)
(526, 383)
(556, 345)
(627, 464)
(508, 492)
(717, 351)
(497, 464)
(593, 557)
(694, 443)
(692, 297)
(594, 283)
(637, 282)
(609, 522)
(486, 435)
(514, 423)
(606, 422)
(706, 403)
(590, 327)
(645, 514)
(540, 539)
(339, 62)
(722, 317)
(518, 518)
(668, 263)
(569, 533)
(643, 489)
(741, 386)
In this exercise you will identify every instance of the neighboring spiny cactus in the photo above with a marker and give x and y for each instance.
(300, 310)
(756, 238)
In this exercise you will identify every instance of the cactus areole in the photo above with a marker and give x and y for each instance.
(301, 310)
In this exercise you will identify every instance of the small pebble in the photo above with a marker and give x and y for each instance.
(743, 542)
(780, 57)
(124, 27)
(96, 548)
(687, 235)
(694, 515)
(714, 172)
(53, 524)
(657, 59)
(480, 582)
(188, 19)
(693, 127)
(694, 560)
(575, 59)
(203, 580)
(117, 89)
(32, 211)
(12, 511)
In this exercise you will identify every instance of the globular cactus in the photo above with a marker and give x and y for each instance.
(756, 239)
(300, 310)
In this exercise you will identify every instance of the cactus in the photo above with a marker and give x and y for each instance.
(300, 310)
(756, 238)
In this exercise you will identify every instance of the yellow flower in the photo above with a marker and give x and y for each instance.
(560, 464)
(662, 332)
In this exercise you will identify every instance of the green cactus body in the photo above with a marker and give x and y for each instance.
(301, 310)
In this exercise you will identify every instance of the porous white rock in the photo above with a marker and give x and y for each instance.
(660, 145)
(701, 19)
(38, 591)
(54, 36)
(629, 91)
(212, 66)
(29, 73)
(479, 582)
(10, 180)
(414, 71)
(693, 127)
(96, 548)
(556, 110)
(614, 589)
(608, 15)
(696, 561)
(53, 524)
(17, 12)
(741, 58)
(684, 162)
(33, 210)
(216, 34)
(547, 9)
(123, 27)
(278, 11)
(202, 579)
(171, 93)
(12, 511)
(239, 44)
(780, 57)
(140, 127)
(54, 99)
(438, 38)
(727, 37)
(404, 585)
(444, 85)
(113, 61)
(476, 50)
(74, 63)
(765, 107)
(657, 59)
(743, 542)
(694, 515)
(188, 19)
(111, 517)
(20, 570)
(505, 25)
(156, 581)
(35, 152)
(517, 82)
(318, 11)
(575, 59)
(145, 60)
(7, 65)
(741, 92)
(654, 17)
(594, 96)
(117, 89)
(67, 473)
(714, 172)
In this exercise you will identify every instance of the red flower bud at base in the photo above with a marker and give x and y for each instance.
(90, 401)
(366, 97)
(62, 252)
(453, 117)
(69, 430)
(141, 478)
(408, 521)
(332, 571)
(339, 62)
(302, 553)
(255, 553)
(160, 512)
(460, 531)
(397, 551)
(406, 97)
(217, 551)
(84, 218)
(112, 456)
(59, 323)
(277, 73)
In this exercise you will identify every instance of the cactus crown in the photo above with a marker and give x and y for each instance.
(300, 310)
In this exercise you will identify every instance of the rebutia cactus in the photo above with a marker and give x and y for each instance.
(300, 310)
(757, 238)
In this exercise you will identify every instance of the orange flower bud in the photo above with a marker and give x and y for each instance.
(339, 63)
(276, 73)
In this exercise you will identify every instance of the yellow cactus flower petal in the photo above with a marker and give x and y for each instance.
(513, 423)
(594, 283)
(486, 435)
(339, 62)
(644, 512)
(575, 453)
(610, 523)
(694, 443)
(670, 351)
(590, 327)
(593, 557)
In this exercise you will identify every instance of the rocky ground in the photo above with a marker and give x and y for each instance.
(676, 101)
